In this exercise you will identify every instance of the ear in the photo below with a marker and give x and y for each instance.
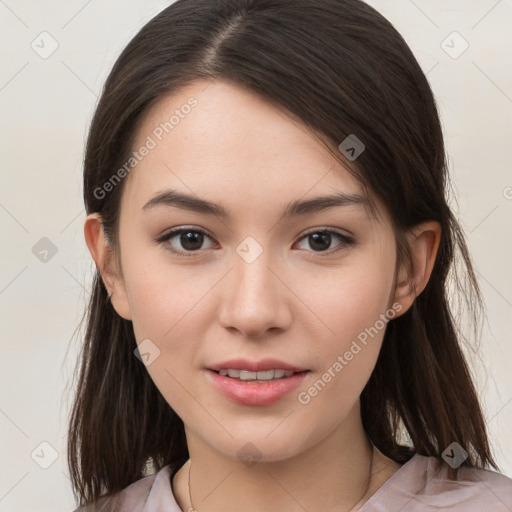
(104, 257)
(423, 241)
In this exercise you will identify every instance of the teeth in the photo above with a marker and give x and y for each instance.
(248, 375)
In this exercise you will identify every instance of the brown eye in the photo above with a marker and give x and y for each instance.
(321, 240)
(190, 240)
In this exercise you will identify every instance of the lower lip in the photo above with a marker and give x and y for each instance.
(256, 392)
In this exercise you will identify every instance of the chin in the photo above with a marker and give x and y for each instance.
(255, 446)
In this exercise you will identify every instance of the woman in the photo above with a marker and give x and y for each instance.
(265, 189)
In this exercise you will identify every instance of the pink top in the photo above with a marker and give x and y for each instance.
(419, 485)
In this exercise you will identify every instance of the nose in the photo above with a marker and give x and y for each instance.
(256, 298)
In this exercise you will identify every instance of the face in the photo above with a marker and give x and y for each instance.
(313, 289)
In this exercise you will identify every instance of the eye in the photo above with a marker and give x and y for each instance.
(321, 239)
(190, 239)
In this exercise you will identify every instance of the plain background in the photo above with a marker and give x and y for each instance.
(46, 107)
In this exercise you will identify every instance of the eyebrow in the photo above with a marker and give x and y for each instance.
(173, 198)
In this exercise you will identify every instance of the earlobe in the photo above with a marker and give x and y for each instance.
(423, 241)
(104, 257)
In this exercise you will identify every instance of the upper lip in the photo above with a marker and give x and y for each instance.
(255, 366)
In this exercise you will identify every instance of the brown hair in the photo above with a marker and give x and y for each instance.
(343, 69)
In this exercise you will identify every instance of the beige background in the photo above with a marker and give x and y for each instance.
(46, 106)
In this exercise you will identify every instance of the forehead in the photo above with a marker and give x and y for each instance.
(216, 140)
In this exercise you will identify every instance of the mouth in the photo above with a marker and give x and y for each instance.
(262, 388)
(261, 376)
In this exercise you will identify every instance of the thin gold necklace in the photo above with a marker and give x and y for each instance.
(193, 509)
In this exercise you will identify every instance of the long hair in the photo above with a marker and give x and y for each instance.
(343, 69)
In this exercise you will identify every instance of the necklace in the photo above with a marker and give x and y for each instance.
(193, 509)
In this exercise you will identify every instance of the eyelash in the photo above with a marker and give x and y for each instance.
(344, 239)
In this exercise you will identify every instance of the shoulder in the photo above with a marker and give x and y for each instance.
(423, 484)
(474, 489)
(132, 498)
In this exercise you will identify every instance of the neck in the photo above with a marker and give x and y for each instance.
(337, 474)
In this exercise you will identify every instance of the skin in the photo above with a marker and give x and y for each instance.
(295, 302)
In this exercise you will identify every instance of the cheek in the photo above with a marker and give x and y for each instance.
(351, 303)
(349, 299)
(165, 304)
(163, 297)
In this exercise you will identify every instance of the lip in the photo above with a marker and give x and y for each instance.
(256, 366)
(255, 392)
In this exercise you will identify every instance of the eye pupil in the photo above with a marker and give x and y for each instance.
(318, 238)
(189, 238)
